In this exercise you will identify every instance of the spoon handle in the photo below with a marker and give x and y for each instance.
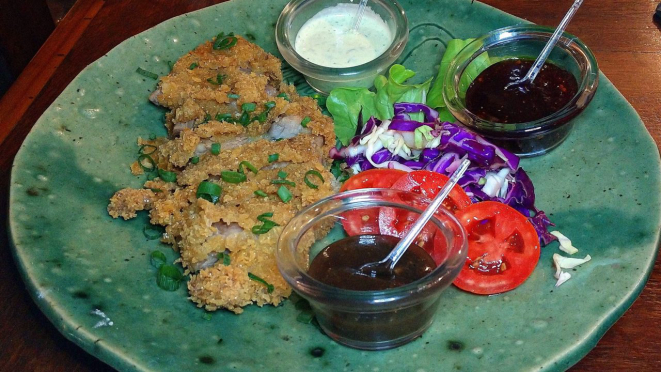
(403, 244)
(359, 14)
(539, 62)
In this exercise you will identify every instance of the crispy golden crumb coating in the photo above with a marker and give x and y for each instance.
(230, 112)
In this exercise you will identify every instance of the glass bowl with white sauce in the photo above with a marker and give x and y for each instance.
(317, 38)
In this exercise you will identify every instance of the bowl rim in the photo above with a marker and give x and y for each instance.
(289, 53)
(403, 295)
(586, 88)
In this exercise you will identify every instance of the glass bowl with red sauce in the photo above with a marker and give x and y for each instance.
(532, 125)
(362, 226)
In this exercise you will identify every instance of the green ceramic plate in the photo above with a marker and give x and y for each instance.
(91, 275)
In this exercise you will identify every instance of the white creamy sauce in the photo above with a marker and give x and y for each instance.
(327, 39)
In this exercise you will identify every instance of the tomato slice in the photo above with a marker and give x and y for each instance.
(503, 248)
(383, 178)
(428, 184)
(367, 220)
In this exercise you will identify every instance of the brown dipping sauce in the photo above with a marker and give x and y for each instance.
(488, 98)
(338, 264)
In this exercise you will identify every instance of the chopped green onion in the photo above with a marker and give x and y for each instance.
(284, 95)
(270, 104)
(225, 257)
(218, 81)
(313, 173)
(156, 190)
(282, 174)
(215, 148)
(168, 277)
(146, 73)
(143, 148)
(283, 182)
(167, 176)
(224, 117)
(224, 42)
(284, 194)
(152, 176)
(336, 170)
(170, 65)
(244, 119)
(248, 165)
(195, 160)
(269, 287)
(248, 107)
(151, 164)
(233, 96)
(305, 121)
(232, 177)
(207, 117)
(273, 157)
(192, 66)
(305, 316)
(152, 232)
(260, 193)
(157, 259)
(266, 225)
(209, 191)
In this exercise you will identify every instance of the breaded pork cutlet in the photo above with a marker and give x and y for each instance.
(234, 124)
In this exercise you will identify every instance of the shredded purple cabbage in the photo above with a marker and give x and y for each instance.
(456, 143)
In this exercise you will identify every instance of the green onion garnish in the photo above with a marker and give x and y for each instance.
(284, 95)
(273, 157)
(244, 119)
(168, 277)
(218, 81)
(248, 107)
(192, 66)
(224, 42)
(170, 65)
(146, 73)
(248, 165)
(157, 259)
(151, 164)
(144, 148)
(195, 159)
(215, 148)
(305, 121)
(283, 182)
(266, 225)
(207, 117)
(209, 191)
(167, 176)
(225, 257)
(284, 194)
(233, 96)
(232, 177)
(224, 117)
(270, 104)
(269, 287)
(313, 173)
(156, 190)
(260, 193)
(305, 316)
(282, 174)
(152, 232)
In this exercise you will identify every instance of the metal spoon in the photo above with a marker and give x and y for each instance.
(387, 264)
(539, 62)
(359, 15)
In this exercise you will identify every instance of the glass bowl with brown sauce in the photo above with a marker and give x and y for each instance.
(321, 249)
(529, 119)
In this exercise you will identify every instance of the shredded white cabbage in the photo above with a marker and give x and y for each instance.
(495, 182)
(566, 263)
(563, 277)
(565, 243)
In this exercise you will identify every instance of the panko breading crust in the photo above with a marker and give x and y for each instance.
(204, 113)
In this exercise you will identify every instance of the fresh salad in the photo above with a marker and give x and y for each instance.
(401, 136)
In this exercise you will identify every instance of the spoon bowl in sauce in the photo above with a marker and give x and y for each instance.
(319, 261)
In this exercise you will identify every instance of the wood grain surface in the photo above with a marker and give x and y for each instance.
(621, 33)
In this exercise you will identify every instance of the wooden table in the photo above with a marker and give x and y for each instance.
(620, 32)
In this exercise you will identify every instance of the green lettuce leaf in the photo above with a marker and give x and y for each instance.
(346, 104)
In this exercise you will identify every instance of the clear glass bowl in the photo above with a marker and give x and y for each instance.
(322, 78)
(539, 136)
(370, 320)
